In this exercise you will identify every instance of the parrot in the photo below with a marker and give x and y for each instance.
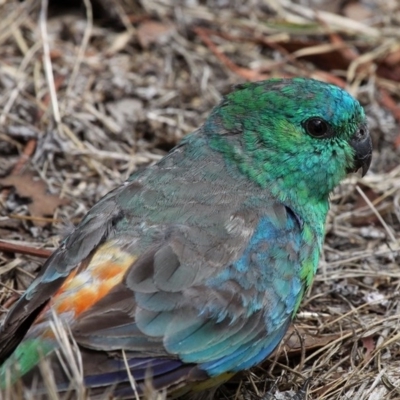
(194, 268)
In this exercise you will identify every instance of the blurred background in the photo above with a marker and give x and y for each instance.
(92, 90)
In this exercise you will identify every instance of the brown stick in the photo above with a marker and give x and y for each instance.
(31, 251)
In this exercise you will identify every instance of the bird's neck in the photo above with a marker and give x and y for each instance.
(286, 180)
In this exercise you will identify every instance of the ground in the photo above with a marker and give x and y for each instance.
(92, 91)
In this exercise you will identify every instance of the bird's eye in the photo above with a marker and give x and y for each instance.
(317, 127)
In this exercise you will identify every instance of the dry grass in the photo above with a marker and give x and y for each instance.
(93, 92)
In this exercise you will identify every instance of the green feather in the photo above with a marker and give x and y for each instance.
(25, 357)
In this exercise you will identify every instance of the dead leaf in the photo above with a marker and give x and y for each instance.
(42, 203)
(119, 43)
(150, 32)
(369, 346)
(333, 59)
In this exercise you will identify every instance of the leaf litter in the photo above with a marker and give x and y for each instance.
(41, 204)
(95, 90)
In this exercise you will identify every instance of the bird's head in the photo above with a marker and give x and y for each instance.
(298, 137)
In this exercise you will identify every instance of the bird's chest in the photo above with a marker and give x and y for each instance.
(275, 267)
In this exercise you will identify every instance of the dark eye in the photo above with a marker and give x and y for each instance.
(317, 127)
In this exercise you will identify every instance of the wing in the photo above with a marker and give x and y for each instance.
(223, 315)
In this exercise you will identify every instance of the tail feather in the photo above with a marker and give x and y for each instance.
(101, 371)
(25, 357)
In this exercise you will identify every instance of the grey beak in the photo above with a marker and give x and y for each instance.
(362, 145)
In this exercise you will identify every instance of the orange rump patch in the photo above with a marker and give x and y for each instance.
(85, 287)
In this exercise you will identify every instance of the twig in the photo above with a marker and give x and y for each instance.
(31, 251)
(21, 83)
(47, 63)
(375, 211)
(243, 72)
(130, 377)
(25, 156)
